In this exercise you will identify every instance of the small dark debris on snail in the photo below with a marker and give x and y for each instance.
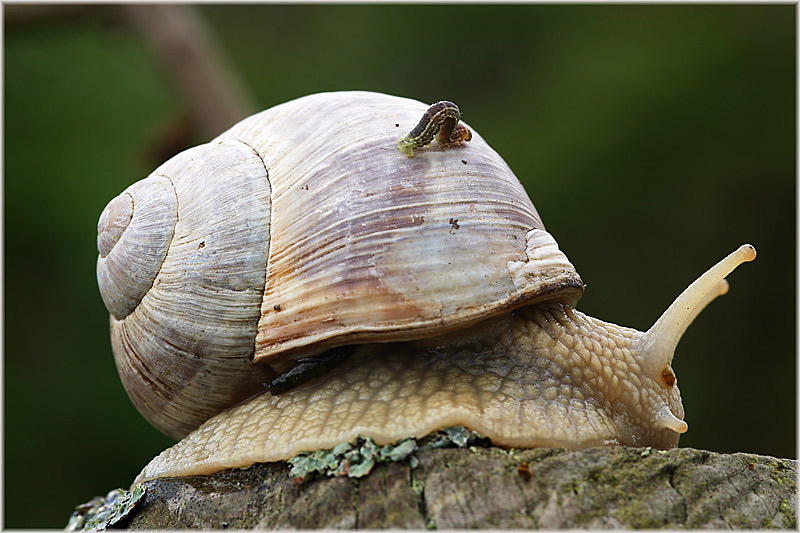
(308, 368)
(456, 328)
(668, 376)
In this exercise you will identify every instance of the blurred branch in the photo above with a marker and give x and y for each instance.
(215, 95)
(23, 13)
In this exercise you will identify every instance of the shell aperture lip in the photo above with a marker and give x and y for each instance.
(355, 226)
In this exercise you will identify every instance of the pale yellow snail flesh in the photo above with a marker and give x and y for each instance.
(541, 376)
(438, 267)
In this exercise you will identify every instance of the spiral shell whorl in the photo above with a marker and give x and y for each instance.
(133, 236)
(113, 222)
(303, 227)
(183, 347)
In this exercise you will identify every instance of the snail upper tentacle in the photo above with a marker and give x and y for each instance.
(284, 238)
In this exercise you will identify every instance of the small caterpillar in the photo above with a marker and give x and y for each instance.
(440, 121)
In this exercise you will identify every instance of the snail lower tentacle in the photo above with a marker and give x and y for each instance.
(442, 297)
(544, 375)
(533, 382)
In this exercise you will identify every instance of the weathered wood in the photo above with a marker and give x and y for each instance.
(494, 488)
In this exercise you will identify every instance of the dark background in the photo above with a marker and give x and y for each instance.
(653, 140)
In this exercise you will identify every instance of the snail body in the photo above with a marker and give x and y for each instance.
(285, 237)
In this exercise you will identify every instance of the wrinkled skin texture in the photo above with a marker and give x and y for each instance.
(542, 376)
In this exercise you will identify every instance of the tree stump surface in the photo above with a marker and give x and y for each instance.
(490, 487)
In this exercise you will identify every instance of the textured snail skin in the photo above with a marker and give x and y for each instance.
(543, 375)
(303, 228)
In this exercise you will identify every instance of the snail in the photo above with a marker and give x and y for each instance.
(303, 229)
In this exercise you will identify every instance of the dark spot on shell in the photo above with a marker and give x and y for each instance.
(454, 223)
(276, 307)
(201, 245)
(464, 161)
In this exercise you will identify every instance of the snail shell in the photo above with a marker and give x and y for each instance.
(303, 228)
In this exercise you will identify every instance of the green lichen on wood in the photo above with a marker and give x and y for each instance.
(356, 459)
(103, 512)
(789, 514)
(476, 487)
(418, 486)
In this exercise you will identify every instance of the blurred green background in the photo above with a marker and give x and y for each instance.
(653, 140)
